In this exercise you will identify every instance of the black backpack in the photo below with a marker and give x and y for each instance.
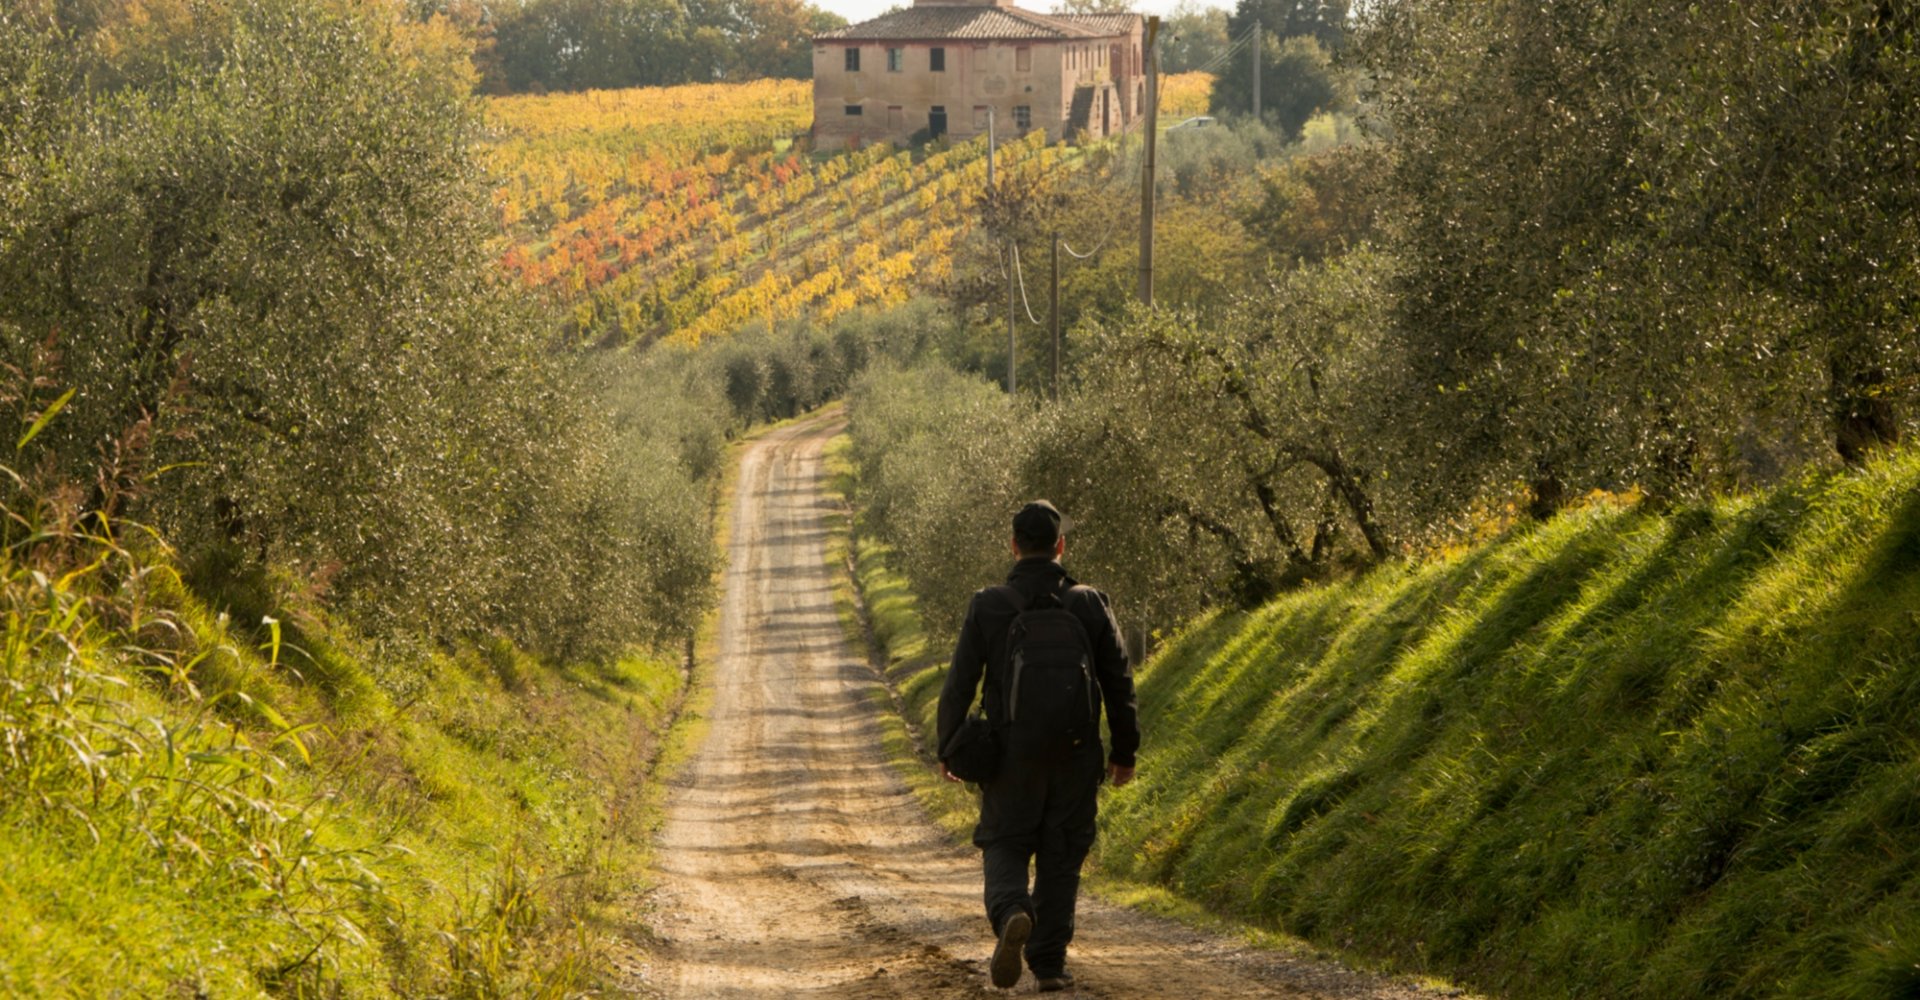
(1052, 697)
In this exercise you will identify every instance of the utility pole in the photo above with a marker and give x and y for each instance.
(1013, 343)
(1259, 44)
(1006, 255)
(1053, 318)
(989, 149)
(1146, 165)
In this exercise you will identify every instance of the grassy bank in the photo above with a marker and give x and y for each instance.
(195, 804)
(1625, 753)
(883, 617)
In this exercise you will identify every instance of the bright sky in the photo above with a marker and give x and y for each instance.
(856, 11)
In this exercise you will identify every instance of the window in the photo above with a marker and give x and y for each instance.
(1023, 116)
(979, 57)
(853, 60)
(937, 59)
(896, 60)
(854, 111)
(1023, 59)
(896, 116)
(979, 118)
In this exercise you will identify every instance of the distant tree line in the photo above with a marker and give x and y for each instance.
(526, 46)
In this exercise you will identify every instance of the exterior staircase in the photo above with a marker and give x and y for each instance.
(1080, 112)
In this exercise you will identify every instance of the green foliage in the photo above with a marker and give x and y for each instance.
(879, 607)
(263, 269)
(1322, 205)
(1207, 179)
(190, 804)
(1298, 80)
(1202, 459)
(1621, 754)
(1648, 245)
(548, 45)
(1298, 77)
(1191, 37)
(1324, 21)
(938, 452)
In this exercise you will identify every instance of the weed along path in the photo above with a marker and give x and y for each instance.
(794, 862)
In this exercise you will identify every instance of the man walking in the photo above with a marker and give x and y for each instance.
(1050, 656)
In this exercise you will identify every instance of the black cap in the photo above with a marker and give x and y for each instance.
(1038, 526)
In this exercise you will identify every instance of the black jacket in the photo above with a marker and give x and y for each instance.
(982, 647)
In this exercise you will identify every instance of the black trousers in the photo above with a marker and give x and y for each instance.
(1040, 814)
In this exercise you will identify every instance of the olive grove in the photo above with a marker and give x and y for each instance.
(1664, 251)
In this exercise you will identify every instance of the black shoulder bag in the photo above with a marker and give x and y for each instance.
(974, 753)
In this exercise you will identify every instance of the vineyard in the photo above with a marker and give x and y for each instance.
(685, 212)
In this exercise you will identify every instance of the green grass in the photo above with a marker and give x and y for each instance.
(190, 806)
(1618, 755)
(881, 615)
(1621, 754)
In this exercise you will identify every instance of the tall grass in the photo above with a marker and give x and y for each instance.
(1619, 755)
(192, 804)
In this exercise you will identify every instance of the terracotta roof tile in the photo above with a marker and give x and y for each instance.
(967, 22)
(1105, 24)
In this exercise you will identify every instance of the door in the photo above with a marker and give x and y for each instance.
(937, 121)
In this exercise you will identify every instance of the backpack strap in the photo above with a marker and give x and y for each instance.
(1021, 602)
(1060, 592)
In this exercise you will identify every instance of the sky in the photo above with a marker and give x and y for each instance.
(856, 11)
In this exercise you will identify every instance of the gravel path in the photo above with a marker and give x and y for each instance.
(794, 863)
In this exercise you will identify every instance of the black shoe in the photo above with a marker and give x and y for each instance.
(1005, 969)
(1054, 984)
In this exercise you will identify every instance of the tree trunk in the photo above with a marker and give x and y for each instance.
(1347, 485)
(1547, 494)
(1864, 417)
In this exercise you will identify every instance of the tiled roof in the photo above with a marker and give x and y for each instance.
(1105, 24)
(964, 22)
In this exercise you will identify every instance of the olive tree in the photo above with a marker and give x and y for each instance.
(1233, 450)
(1794, 138)
(1560, 322)
(261, 264)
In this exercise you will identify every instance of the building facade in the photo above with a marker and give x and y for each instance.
(938, 67)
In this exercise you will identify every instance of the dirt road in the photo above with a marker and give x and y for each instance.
(793, 862)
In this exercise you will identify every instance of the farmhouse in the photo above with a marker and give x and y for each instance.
(937, 67)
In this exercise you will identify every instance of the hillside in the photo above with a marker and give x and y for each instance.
(196, 807)
(1621, 754)
(1501, 441)
(688, 211)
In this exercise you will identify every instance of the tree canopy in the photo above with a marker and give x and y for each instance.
(580, 44)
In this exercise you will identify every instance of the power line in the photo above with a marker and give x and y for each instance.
(1229, 52)
(1022, 279)
(1225, 54)
(1097, 247)
(1018, 276)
